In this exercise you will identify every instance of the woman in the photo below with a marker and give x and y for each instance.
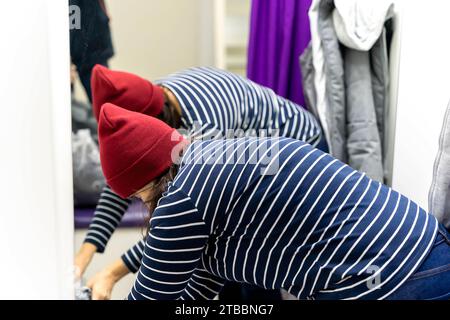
(272, 212)
(205, 103)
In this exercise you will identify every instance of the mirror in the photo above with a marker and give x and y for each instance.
(152, 39)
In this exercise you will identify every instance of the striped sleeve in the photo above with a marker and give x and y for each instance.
(298, 123)
(132, 258)
(204, 131)
(172, 253)
(107, 216)
(221, 103)
(202, 286)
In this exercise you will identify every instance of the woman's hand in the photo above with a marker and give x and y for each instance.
(102, 285)
(83, 258)
(103, 282)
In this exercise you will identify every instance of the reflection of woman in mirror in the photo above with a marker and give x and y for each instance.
(205, 102)
(272, 212)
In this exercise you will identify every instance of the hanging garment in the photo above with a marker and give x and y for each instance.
(88, 180)
(334, 80)
(363, 143)
(351, 86)
(90, 44)
(360, 27)
(439, 195)
(82, 118)
(318, 65)
(359, 23)
(308, 74)
(380, 84)
(279, 32)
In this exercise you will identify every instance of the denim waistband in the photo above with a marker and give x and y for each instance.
(442, 235)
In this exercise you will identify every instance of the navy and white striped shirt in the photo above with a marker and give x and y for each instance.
(107, 216)
(212, 102)
(279, 213)
(215, 101)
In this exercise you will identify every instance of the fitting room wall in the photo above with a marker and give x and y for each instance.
(423, 94)
(154, 38)
(36, 218)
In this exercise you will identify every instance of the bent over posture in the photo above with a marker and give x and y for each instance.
(273, 212)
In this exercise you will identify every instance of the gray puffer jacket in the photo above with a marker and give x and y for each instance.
(356, 91)
(439, 195)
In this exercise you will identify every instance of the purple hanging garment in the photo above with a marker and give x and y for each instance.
(279, 32)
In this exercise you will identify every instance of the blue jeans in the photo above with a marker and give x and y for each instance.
(432, 280)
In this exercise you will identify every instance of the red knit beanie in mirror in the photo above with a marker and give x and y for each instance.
(126, 90)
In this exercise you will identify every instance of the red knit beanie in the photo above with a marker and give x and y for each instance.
(135, 148)
(126, 90)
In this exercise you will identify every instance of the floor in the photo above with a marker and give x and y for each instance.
(122, 240)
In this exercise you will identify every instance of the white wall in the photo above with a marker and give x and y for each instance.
(154, 38)
(36, 218)
(423, 94)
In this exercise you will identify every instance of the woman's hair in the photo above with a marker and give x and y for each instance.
(169, 115)
(159, 186)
